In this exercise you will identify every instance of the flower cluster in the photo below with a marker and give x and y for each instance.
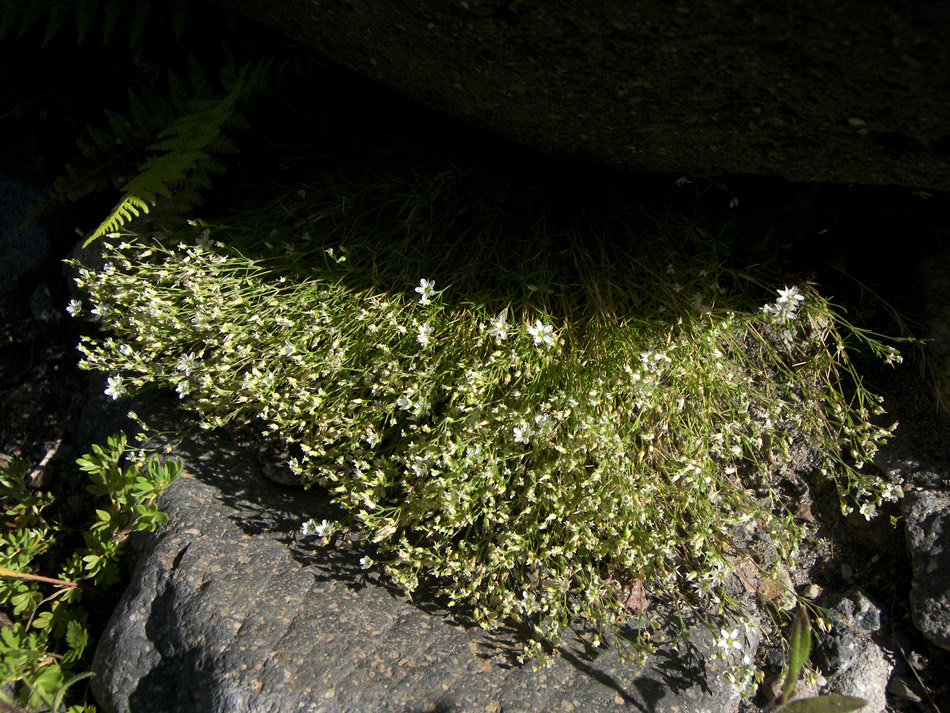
(784, 308)
(526, 462)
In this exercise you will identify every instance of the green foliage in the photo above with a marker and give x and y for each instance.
(183, 136)
(799, 647)
(52, 17)
(48, 638)
(551, 436)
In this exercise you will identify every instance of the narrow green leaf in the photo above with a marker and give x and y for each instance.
(799, 646)
(824, 704)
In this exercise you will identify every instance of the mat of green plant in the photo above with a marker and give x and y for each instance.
(49, 581)
(555, 416)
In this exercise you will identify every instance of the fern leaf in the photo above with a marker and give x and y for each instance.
(110, 19)
(177, 92)
(131, 207)
(34, 12)
(120, 126)
(10, 16)
(103, 140)
(58, 13)
(138, 112)
(179, 15)
(197, 78)
(86, 11)
(140, 9)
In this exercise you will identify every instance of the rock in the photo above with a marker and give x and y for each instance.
(867, 678)
(853, 618)
(853, 92)
(22, 252)
(225, 612)
(927, 527)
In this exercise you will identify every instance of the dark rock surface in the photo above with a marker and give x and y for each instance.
(927, 516)
(226, 613)
(811, 91)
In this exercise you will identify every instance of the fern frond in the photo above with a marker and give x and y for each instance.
(58, 14)
(10, 16)
(131, 207)
(140, 10)
(179, 15)
(200, 87)
(86, 11)
(110, 20)
(33, 13)
(182, 156)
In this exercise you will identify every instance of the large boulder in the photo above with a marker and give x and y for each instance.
(812, 91)
(227, 613)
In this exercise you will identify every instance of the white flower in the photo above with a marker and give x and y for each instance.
(868, 510)
(74, 308)
(372, 438)
(115, 388)
(288, 349)
(404, 402)
(425, 334)
(523, 433)
(893, 492)
(309, 528)
(729, 640)
(499, 326)
(426, 289)
(125, 350)
(186, 363)
(366, 562)
(420, 469)
(183, 388)
(783, 309)
(542, 333)
(652, 360)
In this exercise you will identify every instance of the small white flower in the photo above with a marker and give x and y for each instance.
(74, 308)
(424, 337)
(542, 333)
(499, 326)
(366, 562)
(288, 349)
(372, 438)
(186, 363)
(323, 529)
(183, 388)
(426, 289)
(125, 350)
(868, 510)
(404, 402)
(729, 640)
(309, 528)
(115, 388)
(523, 433)
(893, 492)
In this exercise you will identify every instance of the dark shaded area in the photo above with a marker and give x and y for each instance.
(845, 93)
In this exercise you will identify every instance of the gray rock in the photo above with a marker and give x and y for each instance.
(854, 616)
(22, 252)
(927, 528)
(226, 613)
(843, 92)
(867, 678)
